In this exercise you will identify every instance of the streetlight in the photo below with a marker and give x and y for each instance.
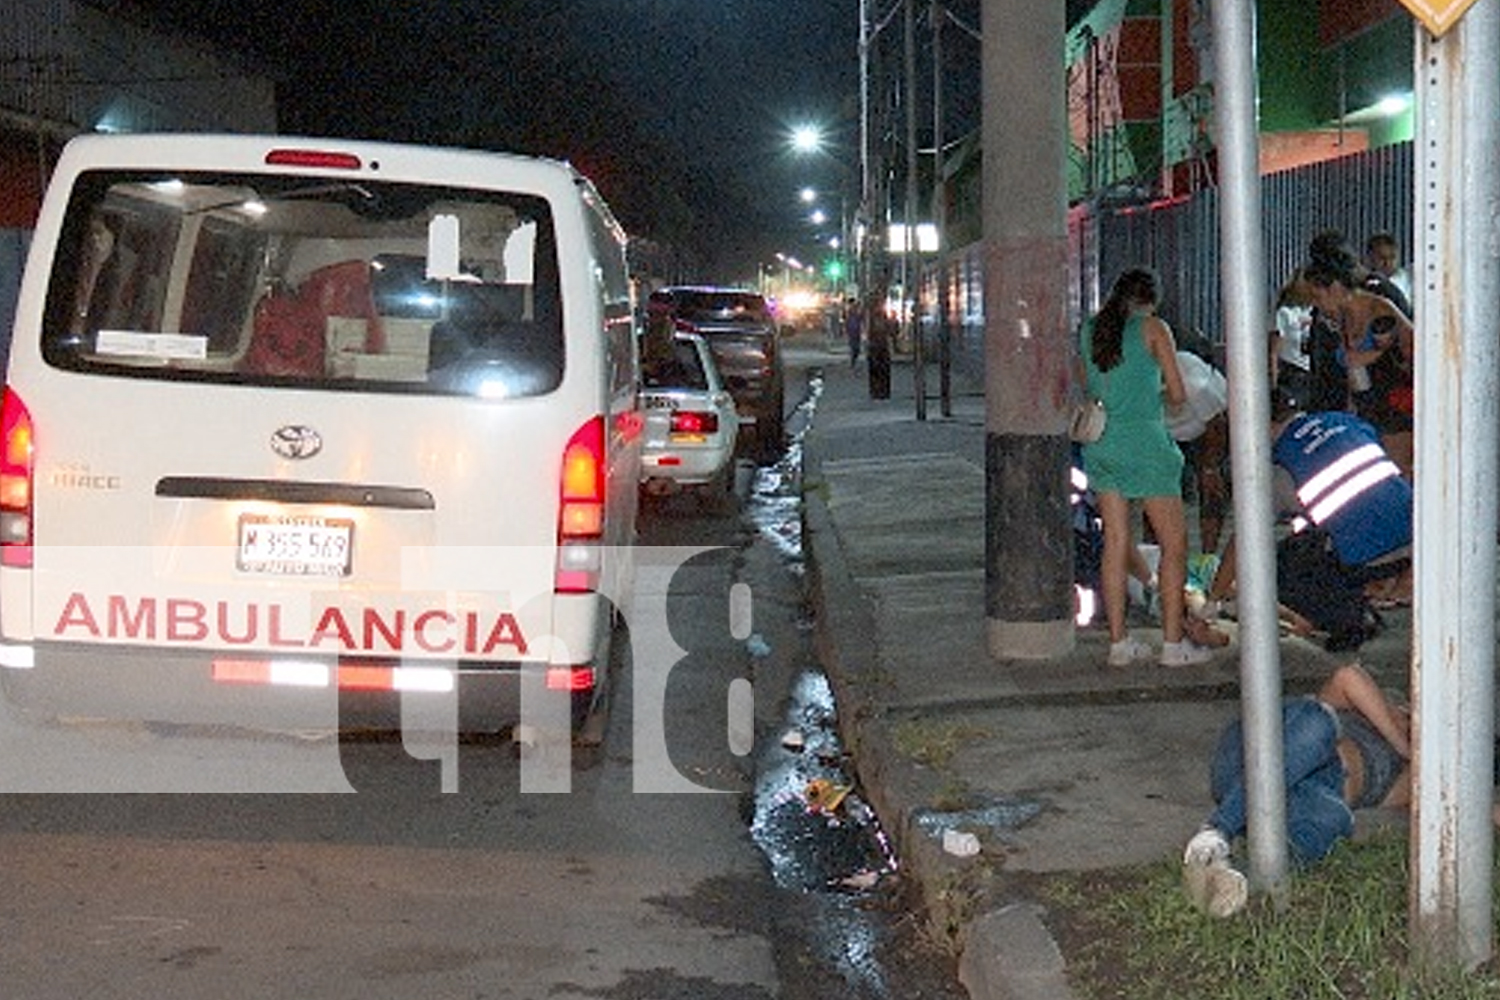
(807, 138)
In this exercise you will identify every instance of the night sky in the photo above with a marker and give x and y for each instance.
(679, 110)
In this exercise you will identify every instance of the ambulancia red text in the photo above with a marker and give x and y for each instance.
(364, 630)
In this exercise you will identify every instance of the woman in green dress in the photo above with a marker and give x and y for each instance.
(1129, 362)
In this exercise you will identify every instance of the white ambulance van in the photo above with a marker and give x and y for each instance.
(289, 417)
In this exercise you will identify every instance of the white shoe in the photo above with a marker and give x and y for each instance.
(1211, 882)
(1217, 890)
(1127, 651)
(1184, 653)
(1207, 846)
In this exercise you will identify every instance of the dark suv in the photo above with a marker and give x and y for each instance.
(741, 332)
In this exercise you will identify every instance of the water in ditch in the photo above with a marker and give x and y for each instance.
(847, 910)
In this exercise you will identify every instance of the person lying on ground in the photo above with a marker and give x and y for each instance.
(1344, 749)
(1348, 747)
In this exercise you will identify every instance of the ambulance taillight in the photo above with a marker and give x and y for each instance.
(580, 527)
(16, 465)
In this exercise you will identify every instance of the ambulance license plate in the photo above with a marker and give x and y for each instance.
(295, 546)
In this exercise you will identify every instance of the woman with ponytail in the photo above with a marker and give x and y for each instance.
(1129, 363)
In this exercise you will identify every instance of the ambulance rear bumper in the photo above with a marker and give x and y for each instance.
(67, 681)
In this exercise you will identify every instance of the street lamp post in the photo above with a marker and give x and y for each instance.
(910, 266)
(940, 214)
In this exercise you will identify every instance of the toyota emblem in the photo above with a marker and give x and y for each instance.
(296, 441)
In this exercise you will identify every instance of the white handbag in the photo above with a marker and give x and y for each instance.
(1086, 424)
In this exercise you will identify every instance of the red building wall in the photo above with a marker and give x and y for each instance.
(1139, 68)
(1340, 19)
(1184, 59)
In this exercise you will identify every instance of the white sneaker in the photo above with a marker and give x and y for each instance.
(1127, 651)
(1184, 653)
(1217, 890)
(1211, 882)
(1207, 846)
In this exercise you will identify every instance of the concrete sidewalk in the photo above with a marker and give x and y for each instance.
(1056, 765)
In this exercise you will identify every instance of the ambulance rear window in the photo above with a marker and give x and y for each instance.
(307, 282)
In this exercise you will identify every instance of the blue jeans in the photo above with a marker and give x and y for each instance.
(1316, 815)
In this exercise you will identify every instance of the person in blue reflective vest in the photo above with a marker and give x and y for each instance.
(1345, 483)
(1342, 492)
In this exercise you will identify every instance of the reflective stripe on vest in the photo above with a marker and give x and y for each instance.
(1334, 487)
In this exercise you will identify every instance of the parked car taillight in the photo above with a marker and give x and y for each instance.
(694, 422)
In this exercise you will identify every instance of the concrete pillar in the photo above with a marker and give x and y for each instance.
(1028, 350)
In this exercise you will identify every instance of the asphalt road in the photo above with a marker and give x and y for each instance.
(398, 891)
(277, 886)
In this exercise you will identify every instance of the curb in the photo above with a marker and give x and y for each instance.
(1006, 954)
(1011, 956)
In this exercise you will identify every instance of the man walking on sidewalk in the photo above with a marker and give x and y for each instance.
(854, 329)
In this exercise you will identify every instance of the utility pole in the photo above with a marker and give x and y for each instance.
(910, 263)
(864, 222)
(875, 269)
(1027, 348)
(940, 214)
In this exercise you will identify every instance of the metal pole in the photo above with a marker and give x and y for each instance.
(1249, 414)
(863, 221)
(864, 109)
(940, 214)
(1453, 687)
(910, 270)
